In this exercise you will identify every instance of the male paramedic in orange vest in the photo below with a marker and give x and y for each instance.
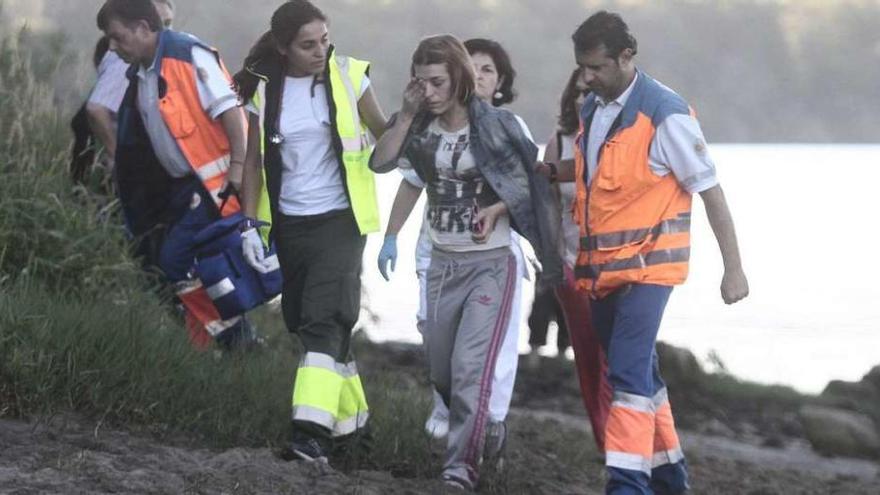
(640, 157)
(109, 89)
(180, 147)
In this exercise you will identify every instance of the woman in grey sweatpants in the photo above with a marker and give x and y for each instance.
(477, 167)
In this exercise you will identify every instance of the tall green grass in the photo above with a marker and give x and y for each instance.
(83, 330)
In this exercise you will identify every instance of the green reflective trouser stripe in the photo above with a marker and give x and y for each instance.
(329, 394)
(317, 388)
(352, 399)
(353, 410)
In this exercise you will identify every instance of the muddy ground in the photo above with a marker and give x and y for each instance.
(550, 451)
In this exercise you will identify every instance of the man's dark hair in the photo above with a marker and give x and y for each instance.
(169, 3)
(129, 12)
(604, 28)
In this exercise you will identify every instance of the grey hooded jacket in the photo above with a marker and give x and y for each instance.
(506, 158)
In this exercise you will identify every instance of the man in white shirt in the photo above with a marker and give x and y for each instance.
(639, 159)
(180, 149)
(106, 96)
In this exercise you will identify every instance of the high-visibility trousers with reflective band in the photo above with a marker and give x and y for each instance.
(642, 450)
(642, 433)
(329, 393)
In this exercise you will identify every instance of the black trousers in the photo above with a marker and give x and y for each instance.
(545, 308)
(321, 258)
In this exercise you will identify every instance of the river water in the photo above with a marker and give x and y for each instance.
(806, 220)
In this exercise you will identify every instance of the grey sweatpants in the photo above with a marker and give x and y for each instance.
(469, 297)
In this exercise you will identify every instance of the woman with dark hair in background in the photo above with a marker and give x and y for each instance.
(477, 166)
(494, 78)
(310, 110)
(84, 140)
(575, 305)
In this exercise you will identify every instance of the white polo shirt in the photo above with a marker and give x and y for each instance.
(111, 84)
(215, 94)
(678, 146)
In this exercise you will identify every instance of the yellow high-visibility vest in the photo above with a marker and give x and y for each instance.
(346, 77)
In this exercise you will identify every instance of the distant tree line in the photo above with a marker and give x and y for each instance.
(754, 70)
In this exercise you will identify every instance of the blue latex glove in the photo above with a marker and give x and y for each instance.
(388, 253)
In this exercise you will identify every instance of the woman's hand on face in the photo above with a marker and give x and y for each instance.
(413, 97)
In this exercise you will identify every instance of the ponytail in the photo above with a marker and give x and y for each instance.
(286, 22)
(245, 81)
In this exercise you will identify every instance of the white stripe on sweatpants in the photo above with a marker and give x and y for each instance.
(508, 357)
(498, 333)
(506, 365)
(463, 343)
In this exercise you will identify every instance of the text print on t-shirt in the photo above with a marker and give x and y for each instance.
(458, 190)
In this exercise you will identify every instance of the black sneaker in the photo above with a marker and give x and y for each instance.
(496, 442)
(357, 445)
(242, 336)
(304, 448)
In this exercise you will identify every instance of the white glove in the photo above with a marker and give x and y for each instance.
(253, 250)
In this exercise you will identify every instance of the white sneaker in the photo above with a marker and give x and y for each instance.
(437, 424)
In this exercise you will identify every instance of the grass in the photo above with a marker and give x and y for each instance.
(83, 329)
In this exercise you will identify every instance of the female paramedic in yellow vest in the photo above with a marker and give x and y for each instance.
(309, 111)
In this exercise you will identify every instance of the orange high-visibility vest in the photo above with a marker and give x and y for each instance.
(201, 139)
(144, 185)
(634, 225)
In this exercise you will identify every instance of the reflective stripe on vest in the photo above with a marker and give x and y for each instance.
(634, 225)
(613, 240)
(264, 205)
(202, 140)
(346, 76)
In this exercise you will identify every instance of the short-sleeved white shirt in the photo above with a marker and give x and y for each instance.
(678, 146)
(111, 84)
(215, 94)
(570, 232)
(311, 178)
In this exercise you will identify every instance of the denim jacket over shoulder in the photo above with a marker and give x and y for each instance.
(506, 158)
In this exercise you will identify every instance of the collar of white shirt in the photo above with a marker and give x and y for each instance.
(620, 100)
(142, 71)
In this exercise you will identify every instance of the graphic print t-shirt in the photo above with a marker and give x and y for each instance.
(456, 191)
